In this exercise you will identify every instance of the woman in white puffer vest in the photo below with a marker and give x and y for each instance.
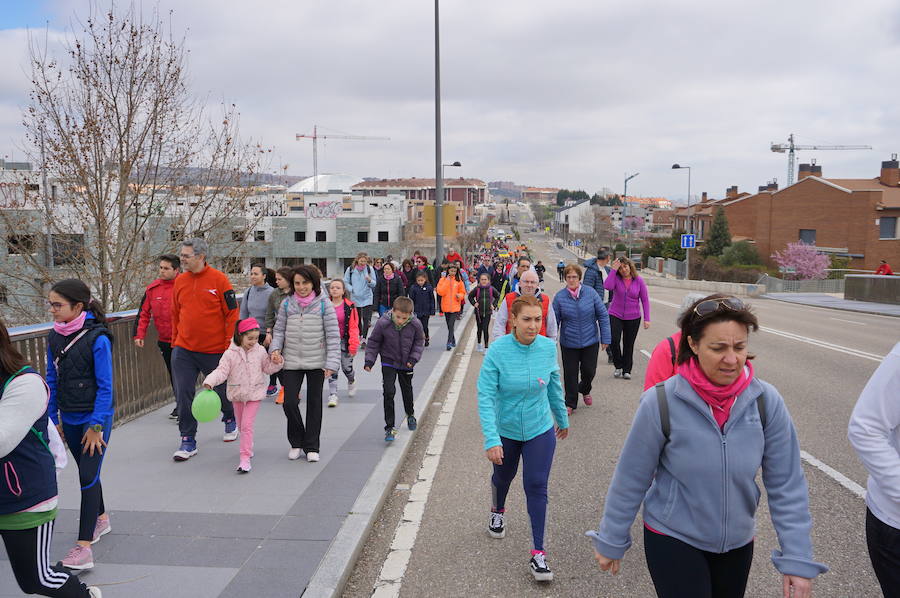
(307, 340)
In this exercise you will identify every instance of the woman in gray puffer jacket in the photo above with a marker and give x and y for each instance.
(307, 340)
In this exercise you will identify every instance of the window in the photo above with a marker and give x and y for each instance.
(68, 249)
(300, 236)
(382, 236)
(259, 235)
(808, 236)
(258, 260)
(320, 263)
(362, 236)
(321, 236)
(4, 295)
(237, 235)
(296, 208)
(176, 235)
(232, 265)
(21, 244)
(32, 187)
(887, 227)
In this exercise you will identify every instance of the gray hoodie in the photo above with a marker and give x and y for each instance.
(700, 486)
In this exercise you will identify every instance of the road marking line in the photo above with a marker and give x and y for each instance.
(806, 339)
(645, 352)
(834, 475)
(390, 579)
(848, 321)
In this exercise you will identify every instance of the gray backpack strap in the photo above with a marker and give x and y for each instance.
(663, 409)
(761, 407)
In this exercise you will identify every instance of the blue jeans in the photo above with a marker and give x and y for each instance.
(537, 457)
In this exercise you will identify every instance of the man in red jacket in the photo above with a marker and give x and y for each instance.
(157, 304)
(884, 269)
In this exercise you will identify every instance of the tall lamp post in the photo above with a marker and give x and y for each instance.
(690, 221)
(439, 174)
(625, 210)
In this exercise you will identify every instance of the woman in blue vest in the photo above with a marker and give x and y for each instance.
(583, 329)
(80, 377)
(28, 498)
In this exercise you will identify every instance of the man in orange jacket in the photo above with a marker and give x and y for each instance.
(204, 314)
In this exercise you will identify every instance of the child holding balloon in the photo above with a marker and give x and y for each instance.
(245, 366)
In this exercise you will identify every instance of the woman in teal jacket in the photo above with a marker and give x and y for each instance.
(519, 399)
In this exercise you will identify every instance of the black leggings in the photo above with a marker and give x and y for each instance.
(678, 569)
(89, 475)
(424, 320)
(302, 436)
(578, 361)
(484, 327)
(451, 317)
(365, 318)
(624, 333)
(29, 557)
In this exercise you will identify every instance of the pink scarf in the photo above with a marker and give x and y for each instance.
(389, 276)
(720, 398)
(67, 328)
(574, 292)
(305, 301)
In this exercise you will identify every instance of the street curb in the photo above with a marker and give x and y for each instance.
(840, 309)
(334, 570)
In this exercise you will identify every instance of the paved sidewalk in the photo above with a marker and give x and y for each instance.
(831, 301)
(199, 530)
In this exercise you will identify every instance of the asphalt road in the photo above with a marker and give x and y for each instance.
(820, 375)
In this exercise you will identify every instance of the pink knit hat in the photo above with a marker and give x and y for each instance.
(248, 324)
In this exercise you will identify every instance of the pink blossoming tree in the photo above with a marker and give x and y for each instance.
(805, 260)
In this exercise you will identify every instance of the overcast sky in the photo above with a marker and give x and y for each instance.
(567, 93)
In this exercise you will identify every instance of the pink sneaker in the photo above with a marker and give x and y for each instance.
(588, 400)
(101, 529)
(79, 558)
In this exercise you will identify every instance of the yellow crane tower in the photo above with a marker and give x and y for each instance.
(315, 138)
(790, 147)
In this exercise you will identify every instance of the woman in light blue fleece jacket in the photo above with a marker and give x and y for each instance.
(519, 398)
(697, 482)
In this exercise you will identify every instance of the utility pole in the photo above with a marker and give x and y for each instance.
(438, 174)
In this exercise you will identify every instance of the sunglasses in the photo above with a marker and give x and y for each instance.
(704, 308)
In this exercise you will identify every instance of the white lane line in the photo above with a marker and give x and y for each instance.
(646, 353)
(821, 466)
(848, 321)
(834, 475)
(806, 339)
(394, 568)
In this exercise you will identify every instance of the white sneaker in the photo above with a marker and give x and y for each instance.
(94, 592)
(312, 457)
(294, 454)
(617, 374)
(332, 400)
(479, 348)
(351, 389)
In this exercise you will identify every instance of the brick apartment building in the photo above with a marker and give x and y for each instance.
(855, 218)
(540, 194)
(464, 193)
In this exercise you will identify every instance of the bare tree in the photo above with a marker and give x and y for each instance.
(135, 162)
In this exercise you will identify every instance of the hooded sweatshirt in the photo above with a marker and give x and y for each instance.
(397, 345)
(700, 485)
(247, 373)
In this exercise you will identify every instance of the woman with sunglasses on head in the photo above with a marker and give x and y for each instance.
(691, 457)
(629, 297)
(80, 377)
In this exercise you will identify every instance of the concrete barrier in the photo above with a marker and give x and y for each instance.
(869, 287)
(729, 288)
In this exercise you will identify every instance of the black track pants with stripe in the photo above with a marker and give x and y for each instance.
(29, 556)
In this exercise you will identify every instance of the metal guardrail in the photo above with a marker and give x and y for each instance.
(140, 380)
(777, 285)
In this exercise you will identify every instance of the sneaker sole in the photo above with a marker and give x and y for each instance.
(103, 533)
(79, 567)
(179, 458)
(498, 535)
(542, 576)
(229, 439)
(330, 405)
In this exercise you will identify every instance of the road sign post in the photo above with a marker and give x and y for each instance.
(688, 242)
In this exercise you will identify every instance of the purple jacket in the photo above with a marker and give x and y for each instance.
(396, 347)
(625, 302)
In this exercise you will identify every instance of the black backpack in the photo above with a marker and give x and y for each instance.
(663, 403)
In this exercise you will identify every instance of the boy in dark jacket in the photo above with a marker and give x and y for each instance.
(422, 295)
(399, 339)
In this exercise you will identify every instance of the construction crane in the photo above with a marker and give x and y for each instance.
(315, 138)
(790, 148)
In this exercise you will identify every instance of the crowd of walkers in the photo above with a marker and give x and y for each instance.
(701, 397)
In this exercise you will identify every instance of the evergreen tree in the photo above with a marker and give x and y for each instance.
(719, 235)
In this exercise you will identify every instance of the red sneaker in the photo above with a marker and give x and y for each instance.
(588, 400)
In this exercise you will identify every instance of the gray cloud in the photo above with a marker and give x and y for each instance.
(570, 93)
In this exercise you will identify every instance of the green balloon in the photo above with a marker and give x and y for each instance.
(206, 406)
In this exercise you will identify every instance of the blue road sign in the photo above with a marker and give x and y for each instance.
(688, 241)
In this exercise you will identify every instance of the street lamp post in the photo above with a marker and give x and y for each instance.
(690, 221)
(438, 175)
(625, 211)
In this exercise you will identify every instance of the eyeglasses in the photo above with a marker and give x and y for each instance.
(55, 306)
(704, 308)
(185, 256)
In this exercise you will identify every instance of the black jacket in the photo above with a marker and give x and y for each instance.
(76, 383)
(388, 290)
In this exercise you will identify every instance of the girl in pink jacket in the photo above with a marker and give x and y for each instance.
(246, 367)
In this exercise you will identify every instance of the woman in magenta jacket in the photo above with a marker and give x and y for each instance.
(629, 298)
